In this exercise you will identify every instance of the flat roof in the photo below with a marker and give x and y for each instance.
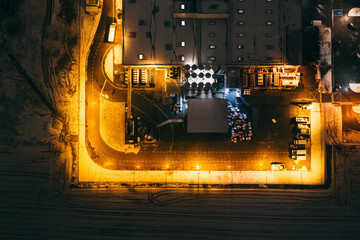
(207, 115)
(222, 32)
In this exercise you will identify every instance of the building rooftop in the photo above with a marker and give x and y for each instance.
(222, 32)
(207, 115)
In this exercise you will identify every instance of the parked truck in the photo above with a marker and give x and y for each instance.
(300, 141)
(277, 166)
(298, 152)
(298, 157)
(301, 119)
(304, 131)
(303, 126)
(111, 35)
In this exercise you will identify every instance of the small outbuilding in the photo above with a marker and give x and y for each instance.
(208, 115)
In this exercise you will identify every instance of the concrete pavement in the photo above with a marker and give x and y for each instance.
(90, 171)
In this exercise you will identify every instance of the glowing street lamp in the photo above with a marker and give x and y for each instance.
(104, 95)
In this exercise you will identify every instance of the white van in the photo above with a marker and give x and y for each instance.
(112, 29)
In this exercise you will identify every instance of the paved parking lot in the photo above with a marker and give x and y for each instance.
(269, 112)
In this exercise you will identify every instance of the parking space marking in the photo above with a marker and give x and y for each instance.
(215, 162)
(210, 152)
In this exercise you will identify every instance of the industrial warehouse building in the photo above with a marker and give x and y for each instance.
(217, 32)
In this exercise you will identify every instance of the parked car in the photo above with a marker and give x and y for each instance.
(277, 166)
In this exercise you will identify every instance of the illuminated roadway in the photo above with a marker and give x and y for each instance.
(98, 150)
(173, 150)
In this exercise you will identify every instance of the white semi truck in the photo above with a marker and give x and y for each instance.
(112, 29)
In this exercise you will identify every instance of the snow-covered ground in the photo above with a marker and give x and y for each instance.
(112, 124)
(325, 63)
(37, 203)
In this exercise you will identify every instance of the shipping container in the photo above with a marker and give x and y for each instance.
(111, 36)
(298, 152)
(298, 157)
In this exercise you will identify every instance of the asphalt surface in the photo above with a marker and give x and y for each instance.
(175, 149)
